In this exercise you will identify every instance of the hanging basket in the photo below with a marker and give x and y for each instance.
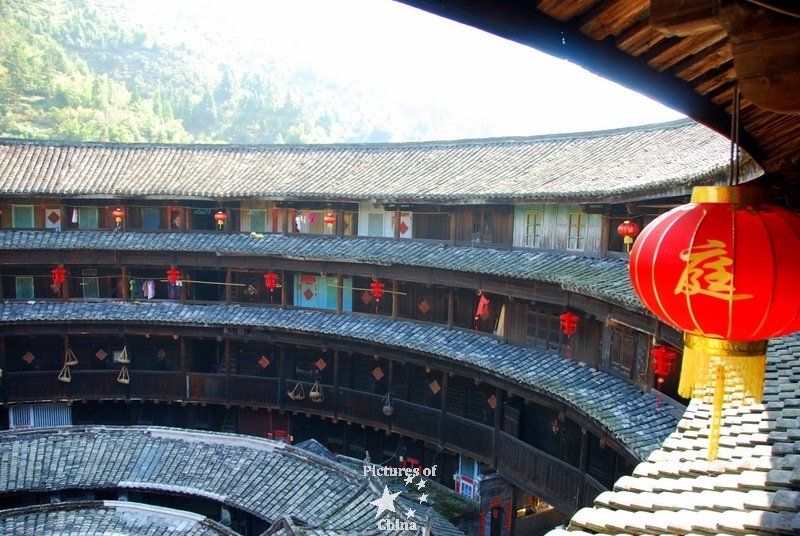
(316, 393)
(65, 375)
(69, 359)
(123, 357)
(388, 409)
(298, 393)
(124, 377)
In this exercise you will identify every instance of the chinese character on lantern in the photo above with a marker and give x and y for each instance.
(118, 214)
(723, 269)
(627, 230)
(220, 218)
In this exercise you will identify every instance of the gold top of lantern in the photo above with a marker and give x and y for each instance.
(739, 195)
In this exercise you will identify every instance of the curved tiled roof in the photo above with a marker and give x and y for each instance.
(641, 159)
(264, 478)
(752, 488)
(616, 405)
(106, 517)
(605, 278)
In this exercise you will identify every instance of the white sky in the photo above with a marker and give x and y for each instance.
(404, 53)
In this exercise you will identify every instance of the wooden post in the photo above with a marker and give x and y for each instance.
(339, 222)
(126, 284)
(584, 466)
(228, 287)
(339, 294)
(184, 364)
(443, 414)
(282, 378)
(498, 423)
(395, 301)
(227, 373)
(336, 384)
(284, 294)
(285, 221)
(453, 227)
(450, 311)
(397, 216)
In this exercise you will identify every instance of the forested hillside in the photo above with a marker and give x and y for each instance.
(77, 70)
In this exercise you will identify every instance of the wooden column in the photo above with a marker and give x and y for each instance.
(584, 466)
(339, 222)
(443, 413)
(228, 287)
(65, 288)
(284, 221)
(3, 370)
(284, 294)
(498, 424)
(126, 284)
(397, 216)
(395, 301)
(453, 227)
(184, 291)
(339, 294)
(336, 384)
(282, 378)
(450, 309)
(227, 373)
(184, 364)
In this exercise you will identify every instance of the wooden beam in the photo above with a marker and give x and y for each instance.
(683, 17)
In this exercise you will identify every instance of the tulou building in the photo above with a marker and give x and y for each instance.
(458, 310)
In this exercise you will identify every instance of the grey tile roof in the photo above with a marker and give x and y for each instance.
(106, 517)
(267, 479)
(752, 488)
(641, 159)
(603, 278)
(616, 405)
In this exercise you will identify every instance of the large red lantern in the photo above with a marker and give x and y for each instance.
(569, 322)
(220, 218)
(173, 276)
(627, 230)
(329, 219)
(58, 275)
(724, 269)
(118, 214)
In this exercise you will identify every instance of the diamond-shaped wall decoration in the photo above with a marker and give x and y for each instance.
(366, 297)
(264, 362)
(101, 354)
(492, 400)
(403, 227)
(161, 354)
(377, 373)
(28, 358)
(435, 387)
(424, 307)
(321, 364)
(308, 294)
(54, 216)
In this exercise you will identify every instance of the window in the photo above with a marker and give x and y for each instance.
(90, 284)
(22, 216)
(24, 288)
(533, 229)
(544, 329)
(258, 221)
(87, 218)
(577, 230)
(623, 350)
(375, 224)
(150, 218)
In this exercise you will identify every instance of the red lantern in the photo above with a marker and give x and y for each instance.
(569, 322)
(723, 269)
(58, 275)
(377, 289)
(329, 219)
(118, 214)
(220, 218)
(664, 362)
(173, 276)
(271, 281)
(628, 230)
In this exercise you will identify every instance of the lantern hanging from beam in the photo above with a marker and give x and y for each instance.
(220, 218)
(329, 219)
(569, 322)
(271, 282)
(377, 292)
(58, 275)
(118, 214)
(663, 365)
(724, 269)
(627, 230)
(173, 276)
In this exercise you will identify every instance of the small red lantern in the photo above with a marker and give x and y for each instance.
(329, 219)
(664, 362)
(724, 269)
(220, 218)
(569, 322)
(118, 214)
(628, 230)
(58, 275)
(377, 289)
(173, 276)
(271, 281)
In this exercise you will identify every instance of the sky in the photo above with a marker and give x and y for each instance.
(408, 55)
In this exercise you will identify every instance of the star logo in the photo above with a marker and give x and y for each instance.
(386, 502)
(422, 498)
(421, 484)
(409, 480)
(410, 513)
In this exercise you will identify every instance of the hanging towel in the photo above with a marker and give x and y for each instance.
(150, 289)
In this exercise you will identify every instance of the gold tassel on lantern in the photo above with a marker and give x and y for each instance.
(722, 371)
